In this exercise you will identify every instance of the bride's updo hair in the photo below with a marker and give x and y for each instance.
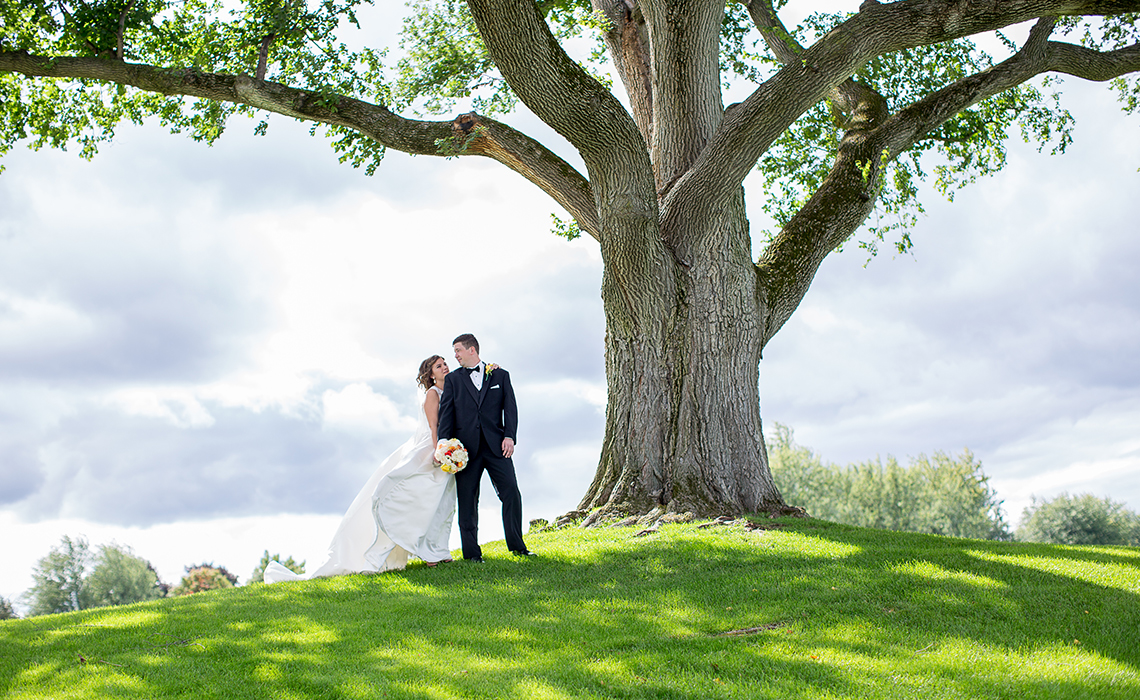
(424, 379)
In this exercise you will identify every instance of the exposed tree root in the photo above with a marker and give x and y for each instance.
(752, 630)
(616, 517)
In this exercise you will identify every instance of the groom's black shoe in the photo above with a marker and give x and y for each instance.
(524, 553)
(475, 560)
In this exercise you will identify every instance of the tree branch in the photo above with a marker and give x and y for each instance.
(628, 41)
(1039, 55)
(495, 140)
(845, 199)
(750, 127)
(533, 161)
(553, 86)
(781, 42)
(1082, 62)
(120, 48)
(686, 82)
(263, 55)
(67, 15)
(587, 115)
(848, 96)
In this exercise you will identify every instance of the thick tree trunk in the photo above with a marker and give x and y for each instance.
(683, 430)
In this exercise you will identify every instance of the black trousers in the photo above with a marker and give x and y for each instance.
(502, 472)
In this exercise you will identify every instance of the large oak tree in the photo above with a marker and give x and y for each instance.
(846, 113)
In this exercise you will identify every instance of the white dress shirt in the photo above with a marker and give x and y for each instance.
(477, 377)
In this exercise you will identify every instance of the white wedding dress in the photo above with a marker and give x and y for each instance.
(405, 509)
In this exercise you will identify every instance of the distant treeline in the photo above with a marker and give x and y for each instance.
(941, 495)
(73, 577)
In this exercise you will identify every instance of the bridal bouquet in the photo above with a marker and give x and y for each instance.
(451, 456)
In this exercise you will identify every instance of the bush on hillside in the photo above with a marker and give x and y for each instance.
(1083, 519)
(59, 579)
(941, 495)
(120, 577)
(204, 577)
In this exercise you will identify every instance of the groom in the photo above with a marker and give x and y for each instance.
(478, 407)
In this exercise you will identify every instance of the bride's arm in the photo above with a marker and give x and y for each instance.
(431, 410)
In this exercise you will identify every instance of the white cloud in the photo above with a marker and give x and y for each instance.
(178, 407)
(38, 325)
(357, 407)
(205, 351)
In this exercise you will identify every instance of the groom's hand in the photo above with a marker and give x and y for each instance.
(508, 447)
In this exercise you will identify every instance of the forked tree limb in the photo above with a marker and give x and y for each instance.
(847, 196)
(750, 127)
(848, 96)
(590, 117)
(556, 88)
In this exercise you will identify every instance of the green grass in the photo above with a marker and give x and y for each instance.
(846, 612)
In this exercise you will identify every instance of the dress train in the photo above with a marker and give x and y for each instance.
(405, 509)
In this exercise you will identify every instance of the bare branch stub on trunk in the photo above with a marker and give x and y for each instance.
(628, 41)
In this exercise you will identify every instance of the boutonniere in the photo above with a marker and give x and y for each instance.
(490, 368)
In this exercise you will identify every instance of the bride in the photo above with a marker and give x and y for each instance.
(405, 509)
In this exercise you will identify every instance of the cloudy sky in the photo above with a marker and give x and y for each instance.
(204, 352)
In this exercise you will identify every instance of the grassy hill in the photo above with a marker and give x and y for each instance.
(808, 609)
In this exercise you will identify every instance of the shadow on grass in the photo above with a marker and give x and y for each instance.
(847, 612)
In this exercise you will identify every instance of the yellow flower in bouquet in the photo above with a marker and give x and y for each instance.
(451, 456)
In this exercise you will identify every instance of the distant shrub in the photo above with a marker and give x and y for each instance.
(7, 611)
(204, 577)
(69, 578)
(1083, 519)
(120, 577)
(59, 579)
(941, 495)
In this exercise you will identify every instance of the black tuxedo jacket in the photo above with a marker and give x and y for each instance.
(464, 413)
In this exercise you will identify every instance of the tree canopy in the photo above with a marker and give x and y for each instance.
(59, 579)
(72, 578)
(204, 577)
(1080, 519)
(940, 495)
(844, 113)
(120, 577)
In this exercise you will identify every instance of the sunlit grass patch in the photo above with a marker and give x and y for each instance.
(810, 610)
(1115, 568)
(936, 573)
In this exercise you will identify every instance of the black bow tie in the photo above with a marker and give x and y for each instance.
(470, 370)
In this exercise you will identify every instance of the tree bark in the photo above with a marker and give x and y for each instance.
(683, 429)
